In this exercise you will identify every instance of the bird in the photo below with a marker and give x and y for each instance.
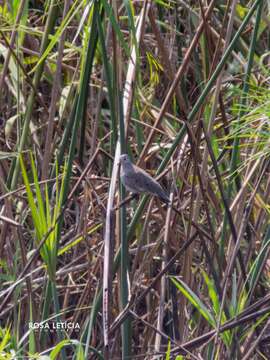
(136, 180)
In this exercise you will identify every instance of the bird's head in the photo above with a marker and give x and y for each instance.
(125, 161)
(124, 158)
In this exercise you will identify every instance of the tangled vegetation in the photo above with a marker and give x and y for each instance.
(88, 270)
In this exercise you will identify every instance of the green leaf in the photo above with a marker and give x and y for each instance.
(5, 339)
(194, 300)
(78, 240)
(54, 353)
(168, 352)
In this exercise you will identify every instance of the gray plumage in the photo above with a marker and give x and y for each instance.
(137, 180)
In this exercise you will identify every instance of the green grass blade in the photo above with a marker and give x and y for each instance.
(194, 300)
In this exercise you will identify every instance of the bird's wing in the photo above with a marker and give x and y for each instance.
(150, 184)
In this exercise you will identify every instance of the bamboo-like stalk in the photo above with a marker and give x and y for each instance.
(127, 103)
(164, 284)
(82, 97)
(126, 327)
